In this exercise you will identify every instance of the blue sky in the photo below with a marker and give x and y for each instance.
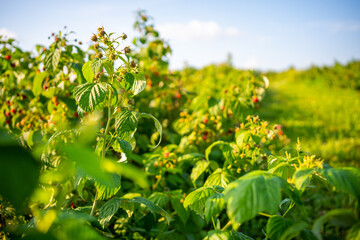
(267, 35)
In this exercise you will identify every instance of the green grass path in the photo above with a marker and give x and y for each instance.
(327, 120)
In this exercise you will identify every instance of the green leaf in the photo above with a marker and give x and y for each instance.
(198, 169)
(209, 149)
(78, 70)
(96, 65)
(159, 198)
(294, 230)
(19, 174)
(219, 178)
(105, 192)
(214, 205)
(101, 169)
(354, 232)
(109, 67)
(302, 178)
(126, 124)
(125, 146)
(90, 164)
(91, 95)
(52, 59)
(344, 179)
(276, 226)
(56, 58)
(196, 200)
(139, 83)
(157, 125)
(179, 208)
(108, 210)
(73, 230)
(153, 208)
(129, 207)
(242, 137)
(129, 81)
(126, 170)
(38, 82)
(88, 72)
(319, 223)
(251, 194)
(284, 170)
(226, 235)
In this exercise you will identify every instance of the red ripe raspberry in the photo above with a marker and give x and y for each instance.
(7, 121)
(8, 57)
(255, 99)
(166, 155)
(281, 133)
(7, 114)
(13, 110)
(206, 120)
(12, 65)
(204, 137)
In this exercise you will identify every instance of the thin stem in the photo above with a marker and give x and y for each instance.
(213, 222)
(157, 183)
(94, 204)
(265, 214)
(226, 226)
(290, 207)
(103, 150)
(107, 129)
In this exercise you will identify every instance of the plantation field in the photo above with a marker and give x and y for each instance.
(325, 118)
(106, 142)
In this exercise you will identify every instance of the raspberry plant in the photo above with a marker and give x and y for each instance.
(80, 158)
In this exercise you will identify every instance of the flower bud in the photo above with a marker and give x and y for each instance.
(94, 38)
(102, 33)
(127, 49)
(123, 36)
(99, 55)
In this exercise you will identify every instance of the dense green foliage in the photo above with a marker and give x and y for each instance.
(107, 143)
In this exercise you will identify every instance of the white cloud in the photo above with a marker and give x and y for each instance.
(7, 33)
(197, 30)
